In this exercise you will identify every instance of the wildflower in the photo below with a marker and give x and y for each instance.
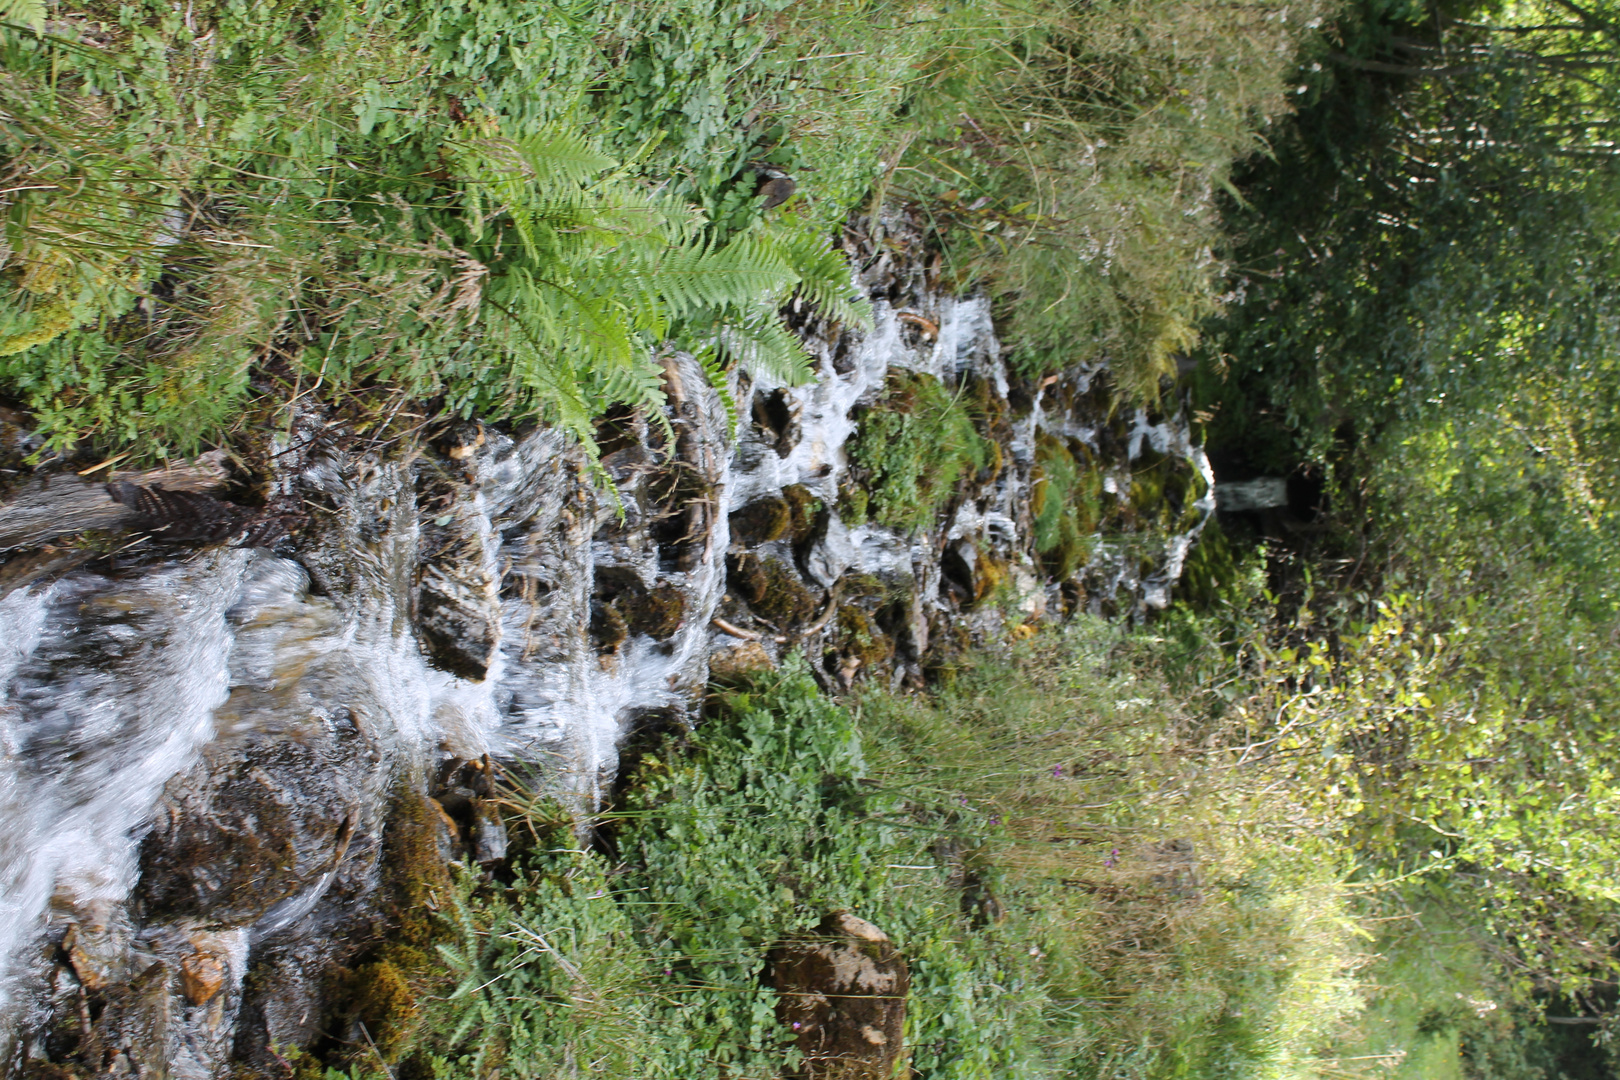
(1057, 772)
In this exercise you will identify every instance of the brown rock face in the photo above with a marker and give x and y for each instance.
(843, 992)
(201, 977)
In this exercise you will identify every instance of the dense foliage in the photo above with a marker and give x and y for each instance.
(1428, 321)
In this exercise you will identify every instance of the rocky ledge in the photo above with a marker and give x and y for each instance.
(251, 704)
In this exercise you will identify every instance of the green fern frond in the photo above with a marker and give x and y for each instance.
(766, 347)
(715, 372)
(825, 276)
(556, 157)
(696, 278)
(641, 386)
(29, 13)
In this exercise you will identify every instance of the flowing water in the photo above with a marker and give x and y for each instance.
(165, 725)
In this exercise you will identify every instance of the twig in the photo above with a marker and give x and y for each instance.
(735, 631)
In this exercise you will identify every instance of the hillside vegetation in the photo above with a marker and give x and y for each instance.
(1344, 812)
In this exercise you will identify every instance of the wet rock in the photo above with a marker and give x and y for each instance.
(459, 619)
(202, 977)
(96, 947)
(458, 604)
(242, 832)
(59, 503)
(843, 993)
(627, 601)
(830, 554)
(776, 415)
(488, 834)
(446, 832)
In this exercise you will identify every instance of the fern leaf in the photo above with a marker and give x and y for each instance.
(825, 276)
(29, 13)
(557, 157)
(715, 372)
(766, 348)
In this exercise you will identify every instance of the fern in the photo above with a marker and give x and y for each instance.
(590, 274)
(29, 13)
(823, 275)
(766, 347)
(715, 372)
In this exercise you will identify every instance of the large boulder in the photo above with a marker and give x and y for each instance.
(843, 993)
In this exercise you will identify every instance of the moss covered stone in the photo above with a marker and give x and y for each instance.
(802, 509)
(761, 521)
(784, 600)
(910, 451)
(415, 877)
(654, 612)
(745, 577)
(608, 628)
(860, 637)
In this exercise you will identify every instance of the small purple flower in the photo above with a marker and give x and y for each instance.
(668, 972)
(1113, 857)
(962, 799)
(1057, 772)
(995, 819)
(797, 1025)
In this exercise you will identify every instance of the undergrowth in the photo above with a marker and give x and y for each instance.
(213, 211)
(1082, 884)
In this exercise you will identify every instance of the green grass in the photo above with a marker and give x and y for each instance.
(1078, 890)
(213, 211)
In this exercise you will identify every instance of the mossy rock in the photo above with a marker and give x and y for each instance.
(854, 503)
(745, 577)
(415, 877)
(608, 628)
(803, 507)
(761, 521)
(656, 612)
(785, 600)
(383, 999)
(910, 451)
(860, 637)
(863, 587)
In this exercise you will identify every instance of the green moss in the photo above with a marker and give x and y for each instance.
(761, 521)
(1064, 504)
(608, 628)
(386, 1002)
(745, 577)
(911, 450)
(656, 612)
(860, 636)
(989, 575)
(854, 504)
(784, 600)
(415, 878)
(862, 587)
(802, 510)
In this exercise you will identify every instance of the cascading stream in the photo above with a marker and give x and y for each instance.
(200, 751)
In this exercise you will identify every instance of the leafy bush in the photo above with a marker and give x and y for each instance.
(648, 964)
(1074, 166)
(1080, 888)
